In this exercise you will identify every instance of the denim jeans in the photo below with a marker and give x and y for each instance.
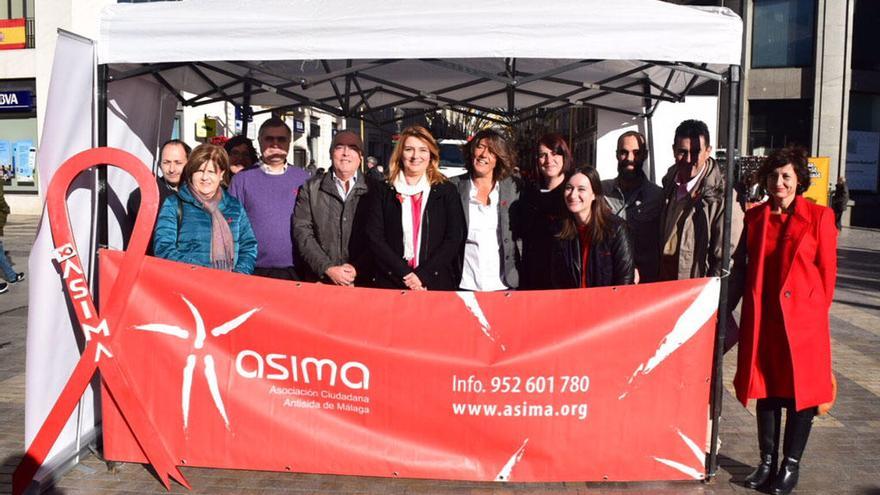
(8, 272)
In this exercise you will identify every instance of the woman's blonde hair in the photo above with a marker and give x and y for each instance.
(422, 134)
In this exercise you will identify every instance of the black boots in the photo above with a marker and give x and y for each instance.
(769, 418)
(797, 431)
(764, 473)
(786, 478)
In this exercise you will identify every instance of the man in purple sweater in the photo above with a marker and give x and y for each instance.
(268, 193)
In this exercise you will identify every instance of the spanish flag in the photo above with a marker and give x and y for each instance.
(12, 35)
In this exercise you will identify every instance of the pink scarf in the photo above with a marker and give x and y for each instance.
(222, 246)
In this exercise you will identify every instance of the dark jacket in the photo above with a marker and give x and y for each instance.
(325, 229)
(4, 207)
(133, 206)
(701, 229)
(641, 209)
(509, 224)
(442, 231)
(542, 214)
(183, 231)
(610, 262)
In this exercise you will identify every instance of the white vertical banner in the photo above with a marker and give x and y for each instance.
(52, 337)
(140, 115)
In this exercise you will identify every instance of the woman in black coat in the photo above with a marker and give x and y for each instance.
(593, 247)
(543, 208)
(415, 223)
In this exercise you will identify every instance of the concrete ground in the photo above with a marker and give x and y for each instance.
(842, 456)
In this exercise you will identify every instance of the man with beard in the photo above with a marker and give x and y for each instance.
(639, 202)
(268, 193)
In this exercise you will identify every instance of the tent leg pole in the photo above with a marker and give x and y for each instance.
(718, 357)
(100, 235)
(649, 125)
(99, 232)
(649, 130)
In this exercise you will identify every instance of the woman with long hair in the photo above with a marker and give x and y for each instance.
(544, 208)
(593, 248)
(785, 266)
(202, 224)
(415, 223)
(490, 198)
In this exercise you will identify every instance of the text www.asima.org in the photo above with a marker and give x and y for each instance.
(521, 410)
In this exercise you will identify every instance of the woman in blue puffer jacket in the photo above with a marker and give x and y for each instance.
(202, 224)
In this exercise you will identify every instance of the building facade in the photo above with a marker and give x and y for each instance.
(811, 77)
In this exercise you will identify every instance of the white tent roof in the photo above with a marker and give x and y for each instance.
(353, 58)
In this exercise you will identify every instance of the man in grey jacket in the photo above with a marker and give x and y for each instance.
(324, 225)
(693, 215)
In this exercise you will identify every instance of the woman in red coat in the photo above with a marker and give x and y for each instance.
(788, 260)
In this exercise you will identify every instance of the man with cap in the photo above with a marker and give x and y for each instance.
(268, 193)
(326, 224)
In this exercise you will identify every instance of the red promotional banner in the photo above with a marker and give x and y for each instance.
(234, 371)
(207, 368)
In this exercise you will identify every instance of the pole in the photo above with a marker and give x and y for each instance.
(246, 109)
(718, 357)
(100, 236)
(649, 130)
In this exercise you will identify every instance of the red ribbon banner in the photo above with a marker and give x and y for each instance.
(99, 330)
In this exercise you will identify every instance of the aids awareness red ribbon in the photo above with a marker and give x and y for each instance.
(99, 329)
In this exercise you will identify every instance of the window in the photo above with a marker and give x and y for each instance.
(777, 123)
(866, 36)
(783, 33)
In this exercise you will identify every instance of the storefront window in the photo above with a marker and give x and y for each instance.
(18, 134)
(783, 33)
(863, 142)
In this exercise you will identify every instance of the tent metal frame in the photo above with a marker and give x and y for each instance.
(346, 83)
(346, 87)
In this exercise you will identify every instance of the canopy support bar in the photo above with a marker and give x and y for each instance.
(701, 71)
(723, 310)
(148, 69)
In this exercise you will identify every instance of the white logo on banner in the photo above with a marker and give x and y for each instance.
(207, 359)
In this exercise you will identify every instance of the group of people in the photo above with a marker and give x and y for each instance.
(412, 228)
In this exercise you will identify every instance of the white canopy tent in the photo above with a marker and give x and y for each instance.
(497, 59)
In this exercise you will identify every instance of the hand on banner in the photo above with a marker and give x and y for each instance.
(413, 283)
(342, 274)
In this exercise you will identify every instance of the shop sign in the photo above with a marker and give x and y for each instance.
(16, 101)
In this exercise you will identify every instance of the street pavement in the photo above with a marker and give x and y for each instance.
(842, 456)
